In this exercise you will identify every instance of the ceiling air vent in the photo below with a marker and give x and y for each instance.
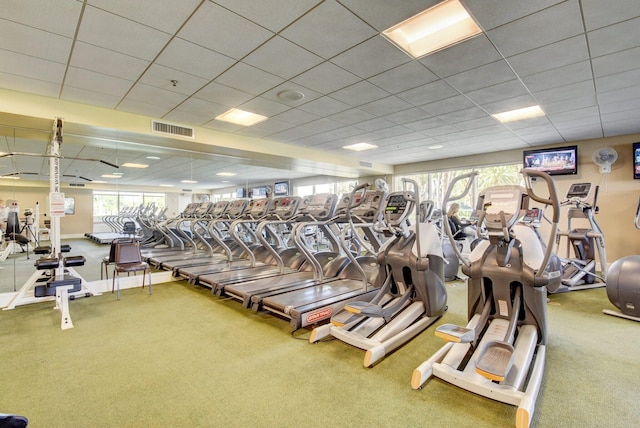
(366, 164)
(76, 184)
(171, 129)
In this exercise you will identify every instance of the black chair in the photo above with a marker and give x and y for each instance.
(12, 421)
(128, 258)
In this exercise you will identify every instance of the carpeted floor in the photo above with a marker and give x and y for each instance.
(183, 357)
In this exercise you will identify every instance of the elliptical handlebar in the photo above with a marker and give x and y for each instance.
(470, 177)
(552, 200)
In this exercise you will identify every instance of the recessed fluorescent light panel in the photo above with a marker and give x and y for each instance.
(166, 185)
(10, 177)
(436, 146)
(438, 27)
(519, 114)
(111, 175)
(226, 174)
(359, 147)
(241, 117)
(188, 181)
(134, 165)
(153, 157)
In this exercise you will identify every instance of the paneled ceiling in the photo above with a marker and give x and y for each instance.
(578, 59)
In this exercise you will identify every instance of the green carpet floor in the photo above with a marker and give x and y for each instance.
(185, 358)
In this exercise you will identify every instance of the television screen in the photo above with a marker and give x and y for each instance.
(281, 188)
(554, 161)
(259, 192)
(636, 160)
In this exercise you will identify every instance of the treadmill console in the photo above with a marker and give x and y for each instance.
(369, 210)
(260, 207)
(237, 208)
(219, 209)
(321, 206)
(202, 209)
(398, 207)
(579, 191)
(190, 210)
(284, 207)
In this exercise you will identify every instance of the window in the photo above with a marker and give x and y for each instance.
(111, 203)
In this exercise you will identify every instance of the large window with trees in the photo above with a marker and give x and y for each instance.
(111, 203)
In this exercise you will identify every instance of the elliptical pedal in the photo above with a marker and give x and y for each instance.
(495, 360)
(455, 333)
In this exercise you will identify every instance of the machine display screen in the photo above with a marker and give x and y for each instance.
(397, 204)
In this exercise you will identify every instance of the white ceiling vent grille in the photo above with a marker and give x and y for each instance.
(171, 129)
(366, 164)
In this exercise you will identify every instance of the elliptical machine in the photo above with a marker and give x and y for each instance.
(579, 266)
(413, 295)
(623, 289)
(500, 353)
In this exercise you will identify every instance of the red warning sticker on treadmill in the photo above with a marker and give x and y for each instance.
(319, 315)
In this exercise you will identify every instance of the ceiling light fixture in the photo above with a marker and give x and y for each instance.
(166, 185)
(188, 181)
(443, 25)
(359, 147)
(134, 165)
(241, 117)
(289, 95)
(153, 158)
(226, 174)
(10, 177)
(111, 176)
(519, 114)
(436, 146)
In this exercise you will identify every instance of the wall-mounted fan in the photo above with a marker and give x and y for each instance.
(382, 185)
(604, 158)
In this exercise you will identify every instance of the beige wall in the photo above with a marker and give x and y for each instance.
(617, 199)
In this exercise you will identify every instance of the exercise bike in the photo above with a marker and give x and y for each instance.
(623, 289)
(500, 353)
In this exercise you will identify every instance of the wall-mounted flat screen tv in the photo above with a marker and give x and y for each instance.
(259, 192)
(636, 160)
(554, 161)
(281, 188)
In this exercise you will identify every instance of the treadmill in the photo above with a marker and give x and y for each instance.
(317, 268)
(172, 239)
(322, 204)
(358, 281)
(249, 256)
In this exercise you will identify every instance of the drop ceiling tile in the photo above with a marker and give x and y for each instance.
(221, 30)
(273, 14)
(404, 77)
(221, 94)
(263, 129)
(381, 14)
(160, 76)
(559, 77)
(86, 96)
(96, 82)
(34, 42)
(359, 93)
(566, 92)
(441, 130)
(386, 106)
(324, 125)
(118, 34)
(609, 106)
(190, 58)
(626, 79)
(448, 105)
(374, 124)
(428, 93)
(30, 67)
(465, 115)
(107, 62)
(264, 107)
(426, 124)
(204, 109)
(296, 117)
(509, 104)
(582, 133)
(405, 116)
(218, 125)
(346, 132)
(589, 113)
(293, 134)
(598, 14)
(534, 122)
(480, 125)
(462, 57)
(249, 79)
(371, 57)
(552, 56)
(615, 63)
(144, 11)
(153, 95)
(501, 91)
(547, 26)
(60, 17)
(326, 78)
(139, 107)
(351, 116)
(614, 38)
(552, 137)
(328, 30)
(282, 58)
(576, 103)
(481, 77)
(187, 118)
(324, 106)
(499, 12)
